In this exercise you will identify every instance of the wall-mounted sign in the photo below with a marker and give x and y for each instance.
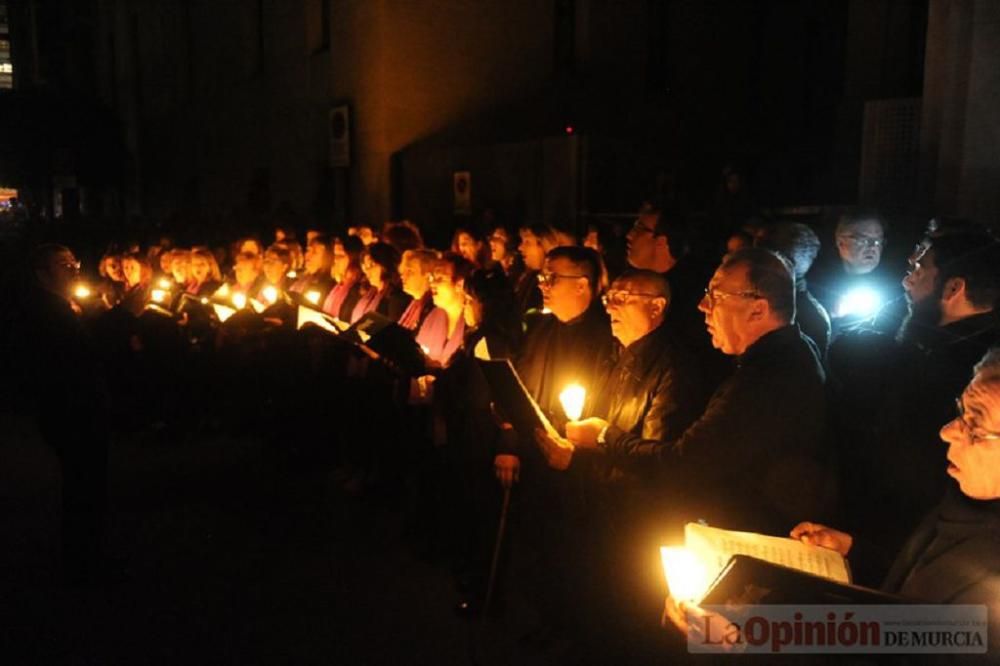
(339, 127)
(462, 186)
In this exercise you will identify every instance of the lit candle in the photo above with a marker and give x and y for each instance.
(291, 275)
(204, 301)
(165, 283)
(686, 575)
(223, 291)
(81, 291)
(572, 399)
(313, 297)
(270, 294)
(158, 295)
(239, 300)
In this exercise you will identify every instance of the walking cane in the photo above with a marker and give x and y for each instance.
(496, 552)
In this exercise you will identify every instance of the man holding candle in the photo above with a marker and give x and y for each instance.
(755, 459)
(655, 391)
(572, 345)
(63, 383)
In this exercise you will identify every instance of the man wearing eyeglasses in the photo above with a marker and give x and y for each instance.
(855, 286)
(654, 392)
(658, 241)
(754, 459)
(62, 384)
(572, 345)
(893, 394)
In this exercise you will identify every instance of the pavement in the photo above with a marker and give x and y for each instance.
(225, 552)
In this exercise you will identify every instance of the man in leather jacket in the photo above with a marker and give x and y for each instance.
(755, 459)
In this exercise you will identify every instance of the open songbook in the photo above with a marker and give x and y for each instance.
(693, 570)
(726, 568)
(321, 319)
(512, 399)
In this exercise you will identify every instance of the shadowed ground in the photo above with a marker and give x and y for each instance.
(225, 553)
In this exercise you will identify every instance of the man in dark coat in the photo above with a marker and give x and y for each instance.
(64, 385)
(953, 556)
(800, 245)
(572, 345)
(654, 391)
(892, 395)
(658, 241)
(755, 458)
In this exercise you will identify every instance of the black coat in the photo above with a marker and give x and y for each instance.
(555, 354)
(953, 557)
(812, 318)
(891, 401)
(756, 458)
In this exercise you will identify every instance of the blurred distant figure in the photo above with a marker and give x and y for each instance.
(799, 244)
(64, 383)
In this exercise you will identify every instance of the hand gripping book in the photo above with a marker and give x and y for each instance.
(724, 567)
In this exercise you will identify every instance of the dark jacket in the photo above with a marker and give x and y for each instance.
(654, 391)
(953, 557)
(755, 459)
(526, 292)
(812, 318)
(556, 354)
(891, 400)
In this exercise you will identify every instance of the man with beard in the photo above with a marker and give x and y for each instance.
(892, 394)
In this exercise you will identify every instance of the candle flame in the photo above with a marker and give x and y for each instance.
(313, 297)
(81, 291)
(572, 399)
(270, 294)
(687, 577)
(239, 300)
(165, 283)
(204, 301)
(158, 295)
(223, 291)
(291, 275)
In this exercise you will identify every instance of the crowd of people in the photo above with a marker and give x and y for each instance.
(748, 389)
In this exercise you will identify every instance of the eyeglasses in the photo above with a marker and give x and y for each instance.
(970, 430)
(620, 297)
(713, 296)
(864, 241)
(549, 279)
(639, 226)
(71, 265)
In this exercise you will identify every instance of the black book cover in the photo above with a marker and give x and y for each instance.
(512, 399)
(749, 580)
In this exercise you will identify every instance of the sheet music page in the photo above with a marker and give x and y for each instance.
(310, 316)
(714, 547)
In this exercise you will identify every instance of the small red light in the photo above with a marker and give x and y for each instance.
(569, 129)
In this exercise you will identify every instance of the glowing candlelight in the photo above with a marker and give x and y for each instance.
(81, 291)
(158, 295)
(291, 275)
(686, 575)
(312, 296)
(223, 291)
(572, 399)
(270, 294)
(165, 283)
(204, 301)
(239, 300)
